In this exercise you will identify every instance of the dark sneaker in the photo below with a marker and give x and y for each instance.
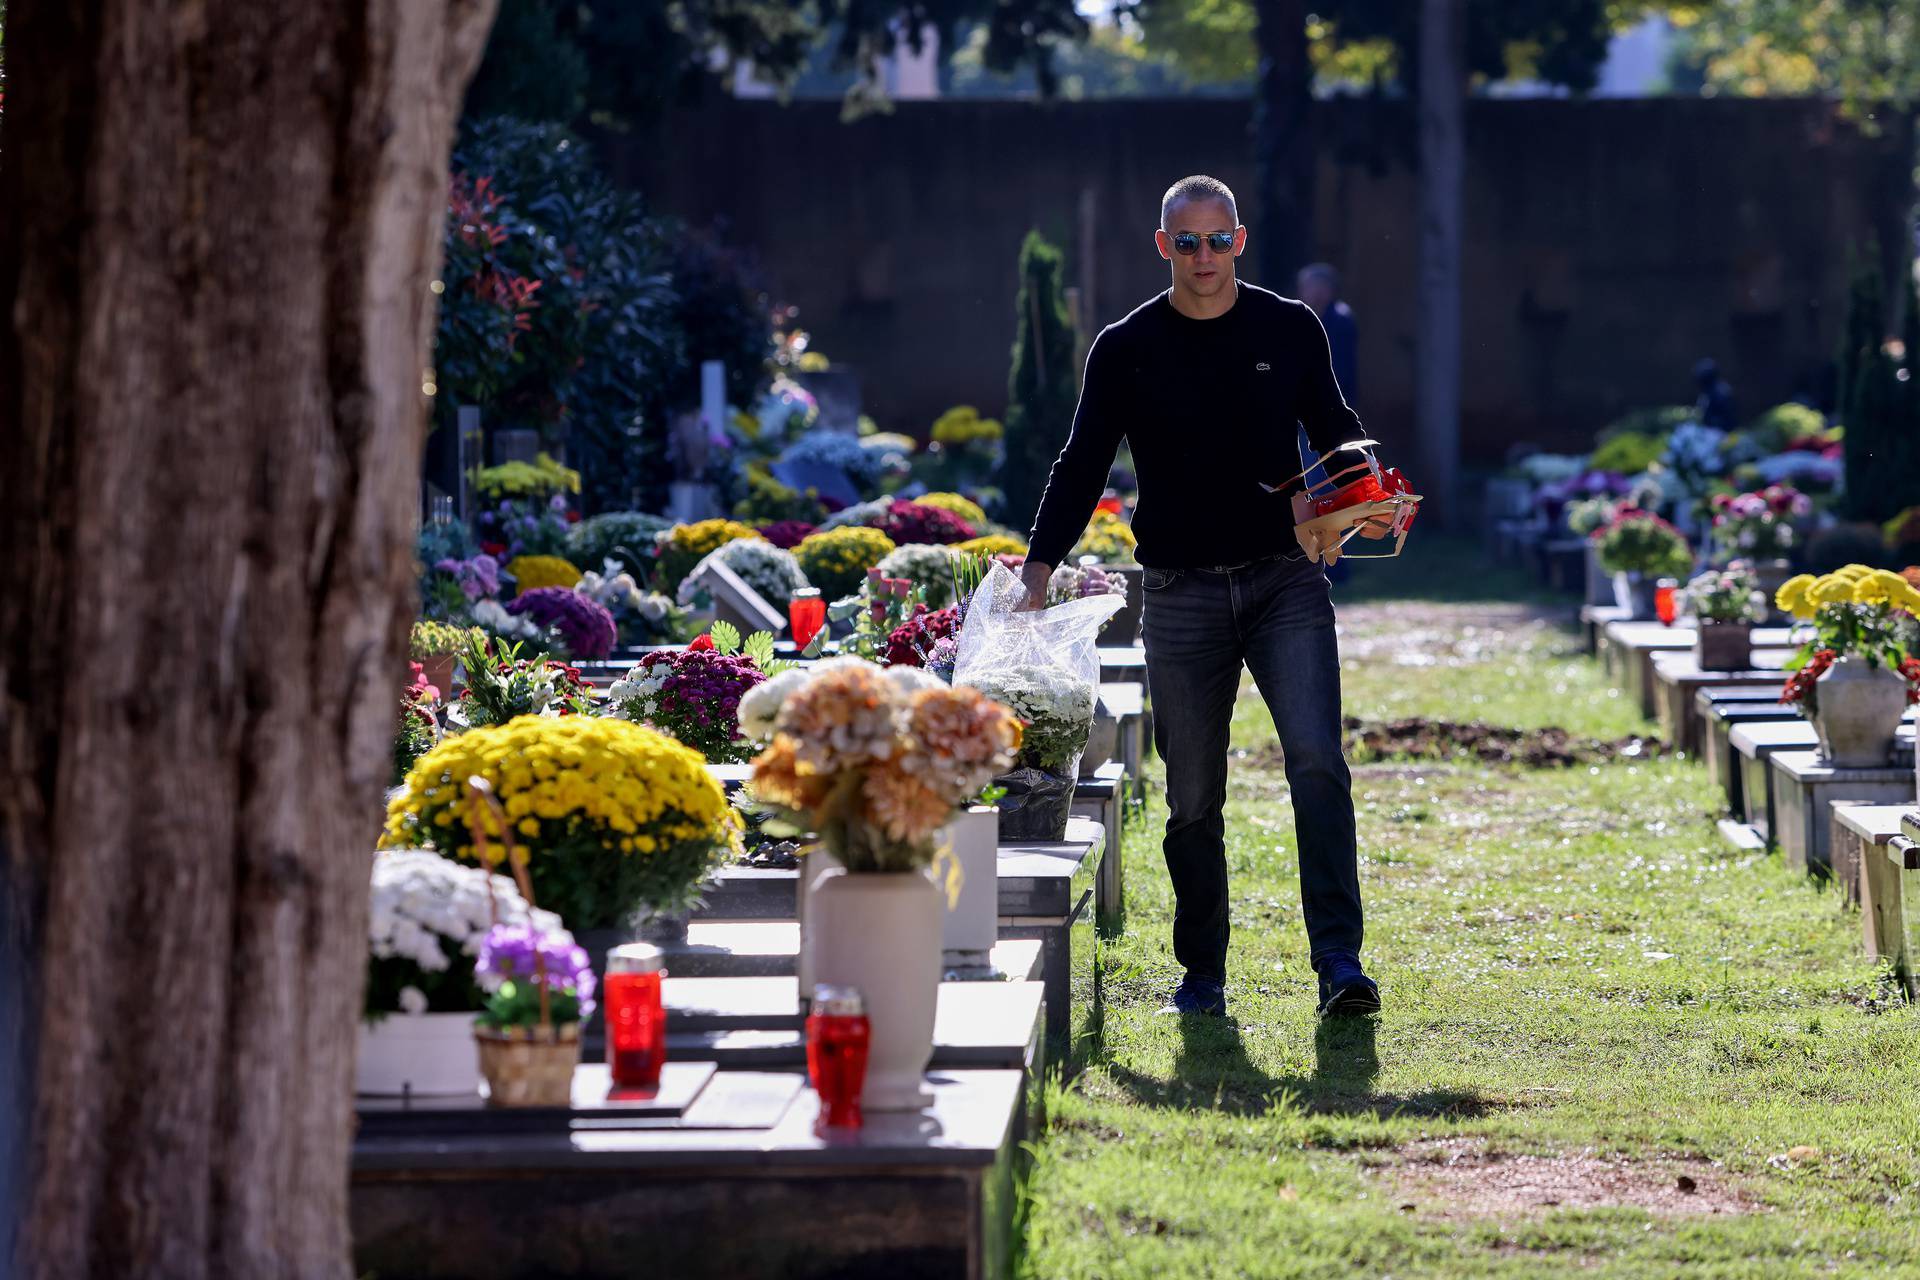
(1200, 996)
(1346, 990)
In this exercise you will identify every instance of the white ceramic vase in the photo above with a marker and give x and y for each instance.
(1857, 708)
(425, 1054)
(971, 924)
(815, 862)
(881, 935)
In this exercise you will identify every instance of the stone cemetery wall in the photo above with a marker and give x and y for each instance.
(1610, 243)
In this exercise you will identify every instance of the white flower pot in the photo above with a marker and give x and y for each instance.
(881, 934)
(815, 862)
(1857, 708)
(971, 925)
(427, 1054)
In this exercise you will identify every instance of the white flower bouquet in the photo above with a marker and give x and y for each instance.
(428, 918)
(1055, 706)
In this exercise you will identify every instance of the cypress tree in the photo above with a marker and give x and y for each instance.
(1041, 389)
(1880, 409)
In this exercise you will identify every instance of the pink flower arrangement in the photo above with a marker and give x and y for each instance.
(786, 534)
(906, 522)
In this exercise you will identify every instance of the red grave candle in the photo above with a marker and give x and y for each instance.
(636, 1023)
(806, 614)
(837, 1038)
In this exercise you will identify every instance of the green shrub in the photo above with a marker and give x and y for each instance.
(1629, 452)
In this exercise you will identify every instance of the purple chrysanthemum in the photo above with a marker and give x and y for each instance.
(585, 627)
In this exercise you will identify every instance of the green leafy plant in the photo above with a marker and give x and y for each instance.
(1641, 542)
(430, 639)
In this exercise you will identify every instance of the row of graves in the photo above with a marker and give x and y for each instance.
(744, 952)
(1795, 689)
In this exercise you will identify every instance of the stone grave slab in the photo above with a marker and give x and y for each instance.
(1754, 744)
(1127, 700)
(1677, 679)
(931, 1192)
(1103, 798)
(1804, 790)
(751, 1024)
(1716, 744)
(1864, 866)
(1593, 619)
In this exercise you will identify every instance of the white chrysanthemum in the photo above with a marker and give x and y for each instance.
(425, 908)
(760, 705)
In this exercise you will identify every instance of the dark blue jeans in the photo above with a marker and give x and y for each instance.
(1200, 625)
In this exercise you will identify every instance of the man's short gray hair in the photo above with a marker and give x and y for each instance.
(1197, 187)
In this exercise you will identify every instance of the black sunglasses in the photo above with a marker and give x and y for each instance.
(1188, 242)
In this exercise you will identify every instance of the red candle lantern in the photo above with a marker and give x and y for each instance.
(806, 614)
(636, 1022)
(837, 1038)
(1663, 601)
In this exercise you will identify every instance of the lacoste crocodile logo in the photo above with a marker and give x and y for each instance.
(1262, 366)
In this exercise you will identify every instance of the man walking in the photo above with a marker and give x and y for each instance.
(1207, 381)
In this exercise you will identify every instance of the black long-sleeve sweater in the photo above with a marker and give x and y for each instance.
(1209, 407)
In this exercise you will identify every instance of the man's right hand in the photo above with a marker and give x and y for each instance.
(1034, 575)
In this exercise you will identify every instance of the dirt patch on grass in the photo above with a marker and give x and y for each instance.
(1459, 1177)
(1545, 748)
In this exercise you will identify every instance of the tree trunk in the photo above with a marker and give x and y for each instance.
(1283, 154)
(1443, 109)
(220, 220)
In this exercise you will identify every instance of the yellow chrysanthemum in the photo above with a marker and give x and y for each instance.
(1792, 596)
(543, 571)
(1831, 588)
(992, 544)
(835, 560)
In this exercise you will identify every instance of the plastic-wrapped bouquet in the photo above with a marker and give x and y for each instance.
(771, 571)
(613, 816)
(426, 921)
(1758, 525)
(585, 629)
(876, 761)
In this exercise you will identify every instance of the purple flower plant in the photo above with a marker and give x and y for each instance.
(478, 577)
(507, 952)
(584, 626)
(699, 703)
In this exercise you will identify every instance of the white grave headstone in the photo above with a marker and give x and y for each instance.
(736, 602)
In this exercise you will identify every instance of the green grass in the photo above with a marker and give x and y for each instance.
(1571, 962)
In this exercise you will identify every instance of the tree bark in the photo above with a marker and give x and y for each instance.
(1443, 109)
(220, 219)
(1283, 154)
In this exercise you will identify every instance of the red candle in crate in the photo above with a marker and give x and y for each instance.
(1663, 602)
(806, 614)
(636, 1022)
(837, 1037)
